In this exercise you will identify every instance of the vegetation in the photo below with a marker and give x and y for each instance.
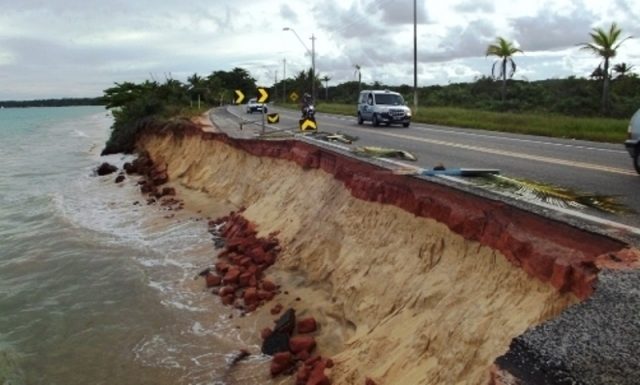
(504, 50)
(64, 102)
(605, 44)
(134, 103)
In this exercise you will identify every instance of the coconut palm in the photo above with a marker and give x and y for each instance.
(605, 44)
(359, 73)
(622, 69)
(504, 50)
(598, 73)
(326, 79)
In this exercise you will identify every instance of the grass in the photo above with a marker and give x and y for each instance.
(552, 125)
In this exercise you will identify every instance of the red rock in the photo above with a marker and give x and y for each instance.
(159, 178)
(226, 291)
(301, 343)
(317, 376)
(302, 375)
(329, 363)
(232, 275)
(369, 381)
(244, 279)
(268, 285)
(213, 280)
(250, 296)
(311, 361)
(283, 358)
(303, 355)
(168, 191)
(228, 299)
(222, 267)
(263, 295)
(281, 362)
(266, 332)
(307, 325)
(276, 309)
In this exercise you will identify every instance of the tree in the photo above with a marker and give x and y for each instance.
(605, 44)
(504, 50)
(622, 69)
(598, 73)
(359, 73)
(326, 79)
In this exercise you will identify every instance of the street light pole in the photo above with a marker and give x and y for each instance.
(312, 53)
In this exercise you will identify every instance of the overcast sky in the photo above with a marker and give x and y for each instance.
(74, 48)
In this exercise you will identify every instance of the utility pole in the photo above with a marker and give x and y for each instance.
(284, 80)
(313, 68)
(415, 58)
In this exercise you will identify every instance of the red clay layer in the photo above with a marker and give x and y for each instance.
(554, 252)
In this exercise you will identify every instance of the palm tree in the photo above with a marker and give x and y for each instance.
(504, 50)
(359, 73)
(605, 44)
(622, 69)
(326, 79)
(598, 73)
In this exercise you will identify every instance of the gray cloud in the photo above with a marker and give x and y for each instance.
(469, 41)
(475, 6)
(288, 14)
(549, 31)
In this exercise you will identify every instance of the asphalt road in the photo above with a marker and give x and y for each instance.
(585, 167)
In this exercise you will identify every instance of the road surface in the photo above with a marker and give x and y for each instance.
(582, 166)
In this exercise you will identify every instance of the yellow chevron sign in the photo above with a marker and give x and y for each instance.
(263, 95)
(273, 118)
(308, 125)
(239, 96)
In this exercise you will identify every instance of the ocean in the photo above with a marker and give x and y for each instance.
(95, 288)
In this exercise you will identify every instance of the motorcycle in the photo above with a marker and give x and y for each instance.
(309, 112)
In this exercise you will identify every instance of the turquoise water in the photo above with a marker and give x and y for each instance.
(95, 289)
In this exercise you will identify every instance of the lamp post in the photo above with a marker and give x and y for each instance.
(312, 53)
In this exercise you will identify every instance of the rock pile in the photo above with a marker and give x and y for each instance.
(154, 176)
(294, 353)
(239, 272)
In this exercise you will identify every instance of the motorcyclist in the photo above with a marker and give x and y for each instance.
(306, 102)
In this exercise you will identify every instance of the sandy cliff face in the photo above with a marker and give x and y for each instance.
(419, 303)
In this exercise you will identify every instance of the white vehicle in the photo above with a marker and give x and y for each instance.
(383, 106)
(633, 140)
(254, 106)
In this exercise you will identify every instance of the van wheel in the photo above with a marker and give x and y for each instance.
(360, 120)
(405, 125)
(636, 160)
(374, 121)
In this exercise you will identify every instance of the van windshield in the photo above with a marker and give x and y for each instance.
(389, 99)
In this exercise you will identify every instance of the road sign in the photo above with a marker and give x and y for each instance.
(308, 125)
(239, 97)
(273, 118)
(263, 95)
(293, 96)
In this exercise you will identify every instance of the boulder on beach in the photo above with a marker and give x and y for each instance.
(106, 169)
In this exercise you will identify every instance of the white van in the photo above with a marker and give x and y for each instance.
(383, 107)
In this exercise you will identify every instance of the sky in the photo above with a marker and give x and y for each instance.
(78, 48)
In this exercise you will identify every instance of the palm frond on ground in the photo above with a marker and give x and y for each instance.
(381, 152)
(553, 195)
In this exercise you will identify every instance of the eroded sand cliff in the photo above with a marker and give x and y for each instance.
(420, 304)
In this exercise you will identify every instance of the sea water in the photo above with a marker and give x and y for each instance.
(96, 286)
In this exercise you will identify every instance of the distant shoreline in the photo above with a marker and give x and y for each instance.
(64, 102)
